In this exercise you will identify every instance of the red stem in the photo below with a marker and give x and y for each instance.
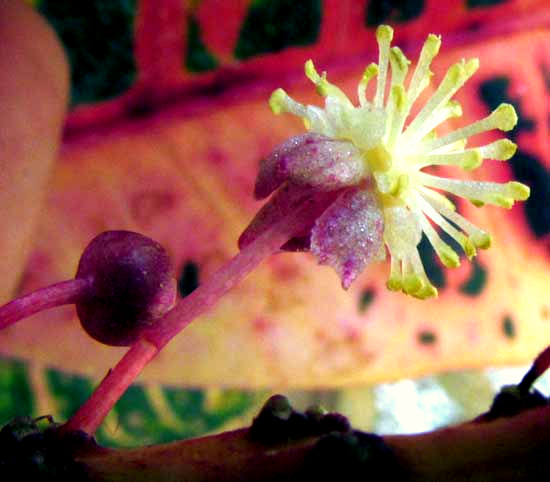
(62, 293)
(90, 415)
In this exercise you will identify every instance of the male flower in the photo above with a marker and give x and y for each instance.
(371, 157)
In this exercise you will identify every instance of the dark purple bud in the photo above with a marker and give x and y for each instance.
(132, 286)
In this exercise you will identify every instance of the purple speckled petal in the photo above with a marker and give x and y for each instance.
(286, 199)
(311, 160)
(274, 168)
(349, 234)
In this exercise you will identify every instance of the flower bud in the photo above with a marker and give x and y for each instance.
(132, 285)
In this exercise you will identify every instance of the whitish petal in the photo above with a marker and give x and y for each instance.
(349, 234)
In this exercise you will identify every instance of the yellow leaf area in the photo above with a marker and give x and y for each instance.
(186, 179)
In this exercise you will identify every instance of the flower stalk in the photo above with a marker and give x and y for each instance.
(62, 293)
(91, 414)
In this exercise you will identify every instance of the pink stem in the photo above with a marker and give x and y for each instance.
(90, 415)
(62, 293)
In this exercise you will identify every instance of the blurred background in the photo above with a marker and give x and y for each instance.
(167, 122)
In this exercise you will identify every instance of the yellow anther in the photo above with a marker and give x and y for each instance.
(369, 73)
(472, 160)
(504, 117)
(448, 256)
(500, 200)
(481, 240)
(471, 66)
(519, 191)
(427, 291)
(384, 33)
(431, 46)
(469, 248)
(276, 101)
(394, 284)
(412, 284)
(311, 72)
(500, 150)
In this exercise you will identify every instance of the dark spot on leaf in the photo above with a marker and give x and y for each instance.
(98, 39)
(433, 269)
(483, 3)
(197, 57)
(508, 327)
(474, 285)
(526, 167)
(380, 11)
(272, 25)
(426, 337)
(189, 278)
(365, 299)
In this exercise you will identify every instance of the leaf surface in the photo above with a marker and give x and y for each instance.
(176, 156)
